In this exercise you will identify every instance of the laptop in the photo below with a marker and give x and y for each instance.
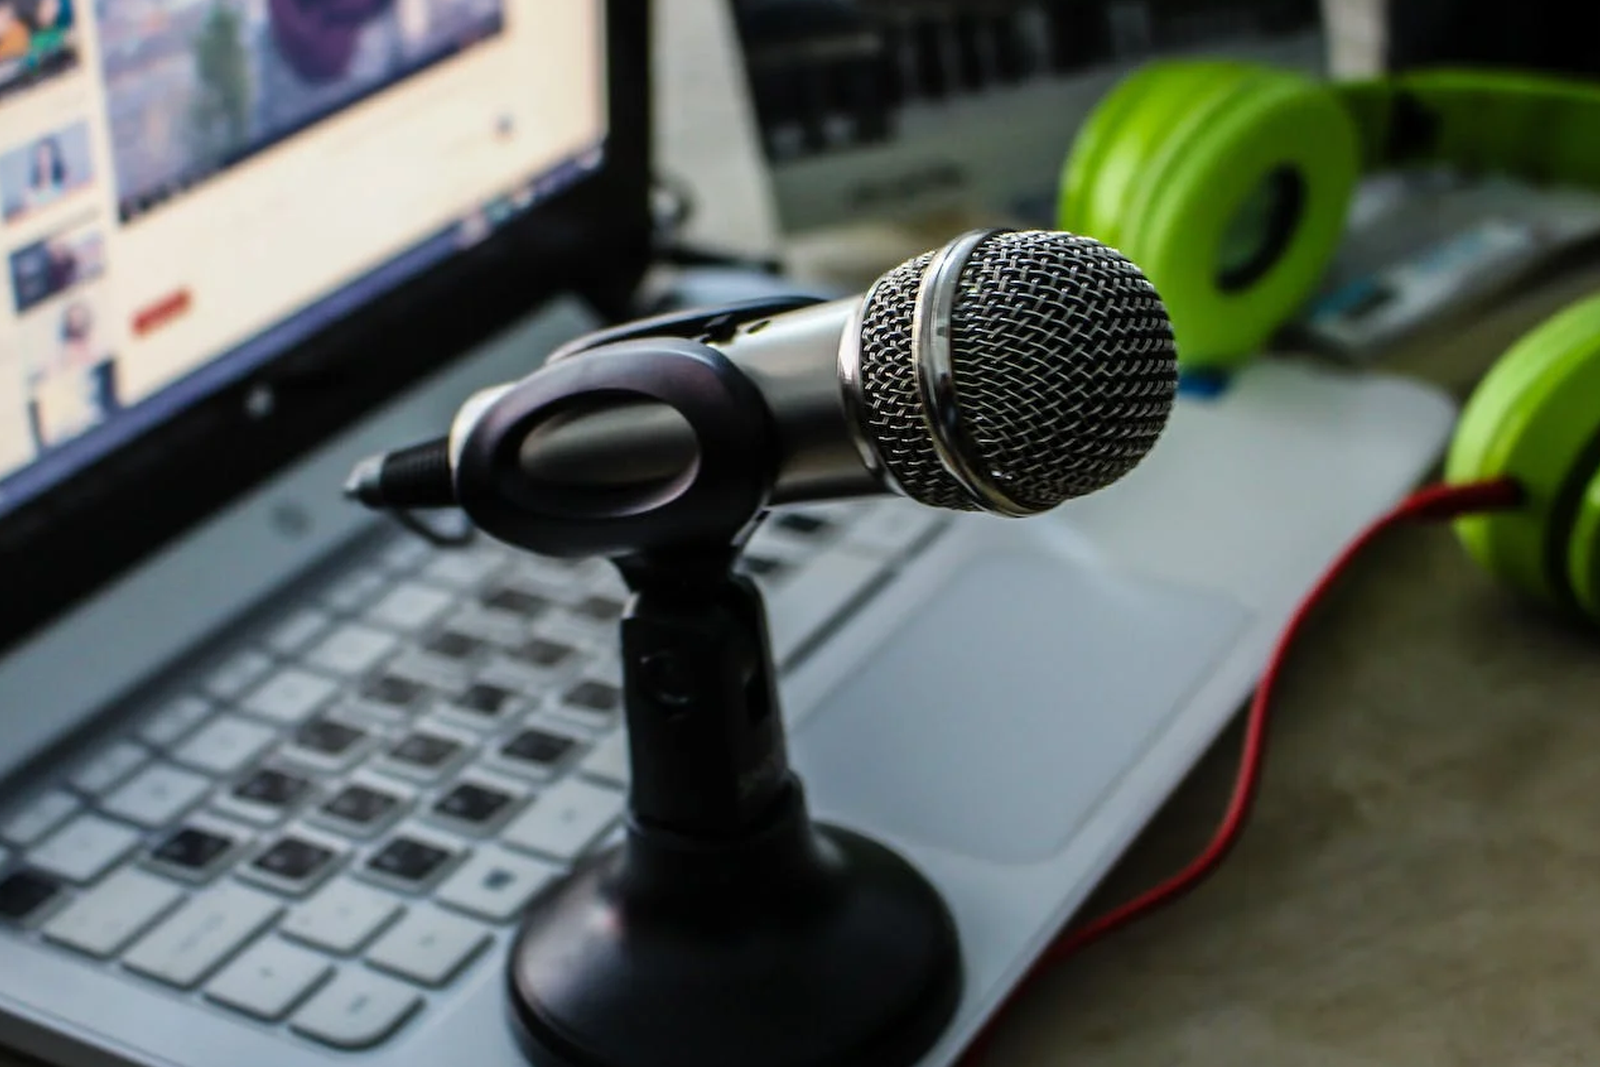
(278, 774)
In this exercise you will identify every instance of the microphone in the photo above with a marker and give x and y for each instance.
(1006, 372)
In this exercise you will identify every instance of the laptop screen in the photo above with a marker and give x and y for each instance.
(191, 187)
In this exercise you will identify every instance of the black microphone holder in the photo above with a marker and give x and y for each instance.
(727, 928)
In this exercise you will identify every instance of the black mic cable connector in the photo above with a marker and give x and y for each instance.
(417, 476)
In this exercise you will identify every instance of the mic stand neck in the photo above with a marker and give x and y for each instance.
(706, 738)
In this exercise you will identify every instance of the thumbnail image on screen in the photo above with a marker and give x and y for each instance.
(69, 376)
(196, 86)
(54, 265)
(44, 171)
(38, 39)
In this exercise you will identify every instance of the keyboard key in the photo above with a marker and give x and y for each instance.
(565, 819)
(329, 737)
(26, 895)
(293, 863)
(225, 745)
(409, 607)
(199, 936)
(84, 848)
(341, 918)
(599, 608)
(593, 697)
(268, 979)
(236, 674)
(31, 821)
(406, 554)
(290, 636)
(173, 720)
(102, 921)
(267, 796)
(109, 767)
(455, 645)
(537, 751)
(463, 570)
(328, 744)
(357, 1010)
(195, 853)
(290, 696)
(410, 863)
(475, 806)
(418, 668)
(544, 653)
(351, 650)
(485, 701)
(765, 567)
(394, 690)
(932, 60)
(495, 885)
(776, 541)
(803, 523)
(361, 810)
(355, 590)
(495, 627)
(425, 755)
(535, 572)
(428, 946)
(515, 601)
(609, 760)
(156, 795)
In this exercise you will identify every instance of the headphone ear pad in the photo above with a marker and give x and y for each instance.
(1113, 147)
(1535, 417)
(1583, 549)
(1184, 150)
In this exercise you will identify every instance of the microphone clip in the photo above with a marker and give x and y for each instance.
(709, 491)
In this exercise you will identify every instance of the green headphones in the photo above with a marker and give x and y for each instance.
(1229, 183)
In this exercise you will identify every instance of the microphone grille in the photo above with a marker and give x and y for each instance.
(1061, 363)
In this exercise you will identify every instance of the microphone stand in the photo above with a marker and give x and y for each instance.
(727, 929)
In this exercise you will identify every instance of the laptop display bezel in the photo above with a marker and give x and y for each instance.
(592, 238)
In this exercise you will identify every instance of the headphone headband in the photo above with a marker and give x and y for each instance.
(1229, 182)
(1537, 127)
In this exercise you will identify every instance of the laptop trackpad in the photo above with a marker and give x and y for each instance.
(994, 720)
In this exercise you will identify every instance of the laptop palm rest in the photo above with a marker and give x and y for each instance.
(1009, 703)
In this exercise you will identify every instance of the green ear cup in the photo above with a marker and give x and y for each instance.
(1536, 417)
(1114, 146)
(1168, 169)
(1095, 138)
(1583, 549)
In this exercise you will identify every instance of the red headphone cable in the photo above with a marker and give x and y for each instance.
(1436, 503)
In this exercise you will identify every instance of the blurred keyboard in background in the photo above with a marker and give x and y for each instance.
(899, 108)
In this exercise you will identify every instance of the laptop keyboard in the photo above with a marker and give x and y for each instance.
(327, 827)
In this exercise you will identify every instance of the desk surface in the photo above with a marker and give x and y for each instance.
(1417, 885)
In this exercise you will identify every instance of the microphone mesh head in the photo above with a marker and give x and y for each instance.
(1063, 366)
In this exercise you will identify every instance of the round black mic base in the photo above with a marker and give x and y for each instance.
(811, 946)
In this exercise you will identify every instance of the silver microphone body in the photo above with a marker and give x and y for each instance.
(1005, 372)
(791, 358)
(794, 361)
